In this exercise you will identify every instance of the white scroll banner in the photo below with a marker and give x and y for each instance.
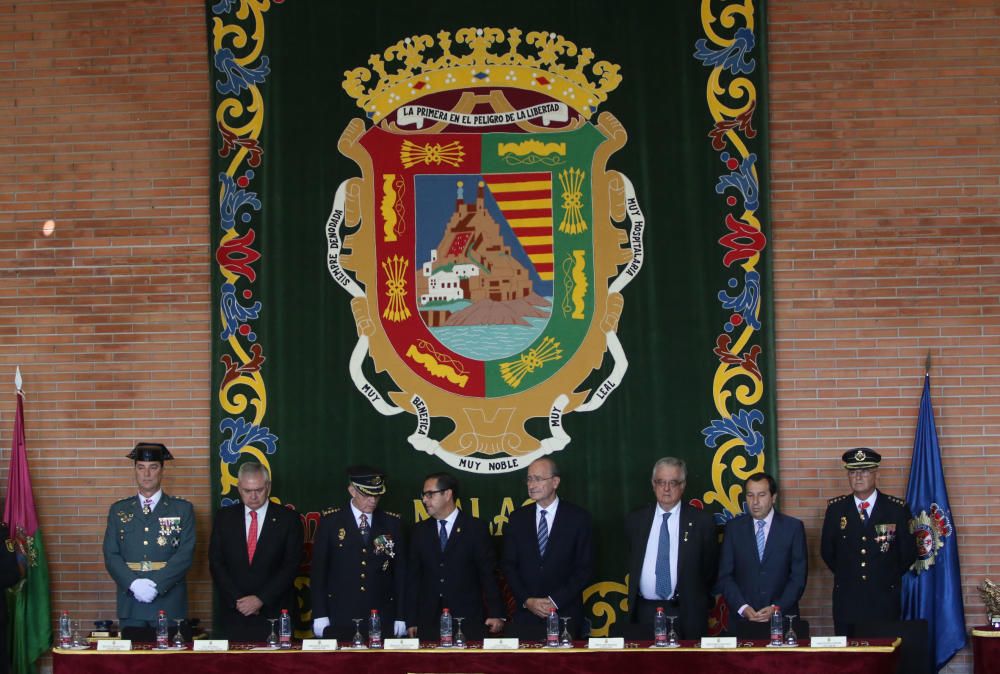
(344, 280)
(416, 114)
(637, 223)
(334, 245)
(421, 441)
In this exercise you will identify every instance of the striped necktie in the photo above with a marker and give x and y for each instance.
(543, 532)
(760, 539)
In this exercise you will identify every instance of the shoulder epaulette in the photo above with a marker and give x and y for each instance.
(896, 500)
(329, 511)
(835, 499)
(123, 500)
(390, 514)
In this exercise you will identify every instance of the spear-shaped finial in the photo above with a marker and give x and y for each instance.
(17, 378)
(927, 365)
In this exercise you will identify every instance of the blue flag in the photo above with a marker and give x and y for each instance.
(932, 589)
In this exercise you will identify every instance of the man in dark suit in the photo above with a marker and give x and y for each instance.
(548, 555)
(148, 547)
(674, 555)
(866, 542)
(451, 566)
(254, 556)
(359, 562)
(764, 562)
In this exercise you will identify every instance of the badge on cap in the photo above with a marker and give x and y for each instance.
(861, 457)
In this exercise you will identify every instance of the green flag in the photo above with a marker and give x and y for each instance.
(28, 600)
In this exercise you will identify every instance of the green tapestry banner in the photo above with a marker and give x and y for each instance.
(462, 238)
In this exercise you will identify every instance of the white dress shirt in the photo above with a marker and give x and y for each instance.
(550, 514)
(155, 498)
(647, 582)
(870, 501)
(261, 512)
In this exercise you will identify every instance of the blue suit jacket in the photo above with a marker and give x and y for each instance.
(562, 573)
(779, 578)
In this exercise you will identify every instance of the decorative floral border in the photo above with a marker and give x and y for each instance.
(240, 69)
(738, 386)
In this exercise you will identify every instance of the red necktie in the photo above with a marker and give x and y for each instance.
(252, 536)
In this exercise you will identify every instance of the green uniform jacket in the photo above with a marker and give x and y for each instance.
(164, 536)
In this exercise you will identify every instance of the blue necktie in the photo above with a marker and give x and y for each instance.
(663, 561)
(444, 534)
(543, 533)
(760, 539)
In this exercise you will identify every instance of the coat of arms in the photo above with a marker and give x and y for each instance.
(487, 271)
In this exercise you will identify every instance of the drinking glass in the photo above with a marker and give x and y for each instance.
(565, 638)
(358, 641)
(78, 640)
(178, 637)
(791, 639)
(459, 637)
(272, 638)
(672, 634)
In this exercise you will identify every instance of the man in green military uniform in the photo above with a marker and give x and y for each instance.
(148, 547)
(867, 543)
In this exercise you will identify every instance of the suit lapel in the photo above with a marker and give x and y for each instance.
(684, 529)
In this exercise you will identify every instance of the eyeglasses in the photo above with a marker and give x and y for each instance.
(431, 492)
(860, 471)
(673, 484)
(535, 479)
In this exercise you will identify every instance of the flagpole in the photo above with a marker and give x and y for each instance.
(927, 365)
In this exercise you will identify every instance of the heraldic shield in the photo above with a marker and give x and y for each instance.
(487, 271)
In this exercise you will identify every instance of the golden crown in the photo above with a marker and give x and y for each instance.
(483, 62)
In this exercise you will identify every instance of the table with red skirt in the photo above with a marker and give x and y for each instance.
(985, 650)
(872, 656)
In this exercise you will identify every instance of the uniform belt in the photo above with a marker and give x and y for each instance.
(146, 566)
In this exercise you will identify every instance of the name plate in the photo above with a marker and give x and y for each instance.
(211, 644)
(401, 644)
(718, 642)
(606, 642)
(114, 645)
(828, 642)
(320, 645)
(505, 644)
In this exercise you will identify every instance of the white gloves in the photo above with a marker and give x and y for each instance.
(144, 590)
(320, 624)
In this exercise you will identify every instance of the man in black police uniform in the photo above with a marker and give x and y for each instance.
(358, 562)
(866, 542)
(148, 548)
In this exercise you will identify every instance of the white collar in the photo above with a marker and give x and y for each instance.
(261, 511)
(870, 500)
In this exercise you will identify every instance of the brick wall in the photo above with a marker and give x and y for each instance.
(105, 114)
(885, 160)
(885, 235)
